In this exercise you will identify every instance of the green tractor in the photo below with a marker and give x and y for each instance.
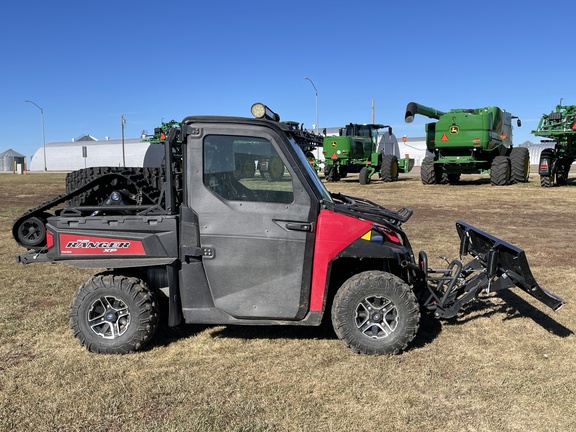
(355, 150)
(471, 141)
(560, 128)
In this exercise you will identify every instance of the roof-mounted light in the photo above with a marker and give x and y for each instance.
(259, 110)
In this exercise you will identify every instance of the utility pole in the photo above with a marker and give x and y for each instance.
(43, 139)
(123, 151)
(317, 126)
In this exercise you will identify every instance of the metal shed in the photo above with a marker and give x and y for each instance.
(83, 153)
(11, 160)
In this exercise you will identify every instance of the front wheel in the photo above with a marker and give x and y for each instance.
(113, 314)
(520, 164)
(429, 172)
(500, 171)
(364, 176)
(374, 313)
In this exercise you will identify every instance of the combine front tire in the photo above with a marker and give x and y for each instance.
(428, 171)
(113, 314)
(389, 169)
(520, 162)
(375, 313)
(500, 171)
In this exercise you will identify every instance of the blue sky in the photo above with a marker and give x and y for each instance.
(88, 63)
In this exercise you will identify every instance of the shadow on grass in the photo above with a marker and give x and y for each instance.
(513, 306)
(167, 335)
(322, 332)
(525, 309)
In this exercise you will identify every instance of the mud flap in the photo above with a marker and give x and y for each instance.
(506, 265)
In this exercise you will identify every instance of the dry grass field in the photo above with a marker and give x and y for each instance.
(504, 365)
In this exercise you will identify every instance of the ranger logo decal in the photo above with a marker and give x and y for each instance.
(72, 244)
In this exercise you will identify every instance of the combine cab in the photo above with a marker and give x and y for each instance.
(559, 127)
(471, 141)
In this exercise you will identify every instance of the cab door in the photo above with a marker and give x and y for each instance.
(256, 222)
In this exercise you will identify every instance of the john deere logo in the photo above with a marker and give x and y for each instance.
(454, 129)
(333, 144)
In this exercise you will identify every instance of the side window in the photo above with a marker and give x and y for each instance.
(241, 168)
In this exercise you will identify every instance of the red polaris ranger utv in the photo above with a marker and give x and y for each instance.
(237, 228)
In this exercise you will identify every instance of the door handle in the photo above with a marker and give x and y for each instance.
(299, 226)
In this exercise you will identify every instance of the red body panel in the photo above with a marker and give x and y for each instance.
(334, 232)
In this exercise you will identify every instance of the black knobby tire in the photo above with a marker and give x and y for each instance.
(331, 173)
(500, 171)
(148, 179)
(275, 170)
(245, 168)
(428, 172)
(374, 313)
(389, 169)
(520, 163)
(563, 172)
(547, 180)
(453, 178)
(113, 314)
(364, 176)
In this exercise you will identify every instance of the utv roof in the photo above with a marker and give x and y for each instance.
(234, 120)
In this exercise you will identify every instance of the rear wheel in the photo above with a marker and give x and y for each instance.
(563, 171)
(500, 171)
(520, 163)
(375, 312)
(113, 314)
(389, 169)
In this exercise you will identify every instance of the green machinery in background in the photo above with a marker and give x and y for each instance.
(559, 127)
(355, 150)
(470, 141)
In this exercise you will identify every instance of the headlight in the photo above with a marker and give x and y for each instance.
(259, 110)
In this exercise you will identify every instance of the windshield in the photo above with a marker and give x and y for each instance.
(315, 182)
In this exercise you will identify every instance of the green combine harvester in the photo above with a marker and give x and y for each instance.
(355, 150)
(471, 141)
(559, 127)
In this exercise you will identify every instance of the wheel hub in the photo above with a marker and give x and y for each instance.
(376, 317)
(111, 316)
(108, 317)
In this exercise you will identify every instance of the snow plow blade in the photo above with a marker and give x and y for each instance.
(506, 265)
